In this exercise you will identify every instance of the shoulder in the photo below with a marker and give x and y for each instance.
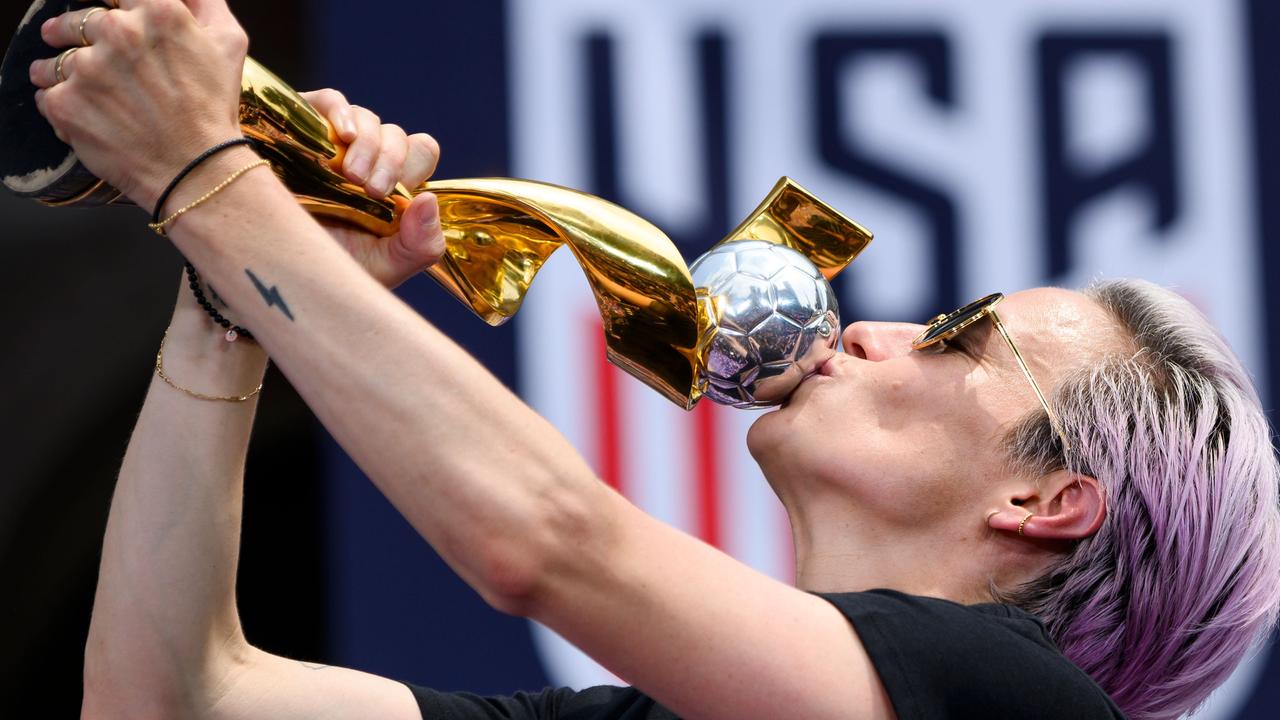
(892, 606)
(939, 658)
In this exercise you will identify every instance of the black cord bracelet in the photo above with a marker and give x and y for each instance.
(234, 332)
(164, 196)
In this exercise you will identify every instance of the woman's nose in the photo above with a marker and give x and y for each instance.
(879, 340)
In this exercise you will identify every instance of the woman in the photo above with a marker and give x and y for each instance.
(921, 486)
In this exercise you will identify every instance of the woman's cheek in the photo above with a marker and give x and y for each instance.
(905, 392)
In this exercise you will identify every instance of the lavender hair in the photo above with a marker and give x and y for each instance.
(1183, 578)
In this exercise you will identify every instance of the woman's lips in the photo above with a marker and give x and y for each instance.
(828, 368)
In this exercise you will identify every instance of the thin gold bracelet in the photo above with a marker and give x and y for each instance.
(160, 226)
(193, 393)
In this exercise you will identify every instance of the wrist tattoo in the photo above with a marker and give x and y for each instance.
(271, 295)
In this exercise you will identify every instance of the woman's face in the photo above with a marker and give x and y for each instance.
(914, 436)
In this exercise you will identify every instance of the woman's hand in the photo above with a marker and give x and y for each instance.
(379, 156)
(158, 83)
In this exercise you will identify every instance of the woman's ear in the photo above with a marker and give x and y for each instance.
(1063, 506)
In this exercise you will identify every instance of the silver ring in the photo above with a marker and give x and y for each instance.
(58, 66)
(84, 22)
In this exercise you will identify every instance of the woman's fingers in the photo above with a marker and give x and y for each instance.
(392, 260)
(118, 4)
(378, 156)
(114, 101)
(363, 151)
(206, 11)
(389, 167)
(424, 154)
(44, 73)
(334, 106)
(45, 104)
(420, 243)
(65, 30)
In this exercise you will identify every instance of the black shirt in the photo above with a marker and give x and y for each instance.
(936, 658)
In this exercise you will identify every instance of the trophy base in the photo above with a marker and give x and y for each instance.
(34, 163)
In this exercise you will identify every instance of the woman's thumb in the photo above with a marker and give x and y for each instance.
(421, 240)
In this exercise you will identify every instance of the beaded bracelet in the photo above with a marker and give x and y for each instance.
(234, 332)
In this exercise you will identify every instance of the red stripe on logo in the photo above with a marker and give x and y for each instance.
(608, 411)
(707, 490)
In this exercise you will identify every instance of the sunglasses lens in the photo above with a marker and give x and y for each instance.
(956, 319)
(948, 323)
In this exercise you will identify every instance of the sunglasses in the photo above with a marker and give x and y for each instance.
(945, 327)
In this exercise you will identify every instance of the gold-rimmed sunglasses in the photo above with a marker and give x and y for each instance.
(944, 327)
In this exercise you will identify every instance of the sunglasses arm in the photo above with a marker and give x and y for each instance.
(1053, 419)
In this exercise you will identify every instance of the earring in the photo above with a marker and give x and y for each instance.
(1023, 524)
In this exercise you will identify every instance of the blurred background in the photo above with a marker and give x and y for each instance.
(990, 145)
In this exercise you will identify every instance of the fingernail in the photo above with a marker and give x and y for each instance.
(46, 26)
(431, 216)
(381, 181)
(39, 95)
(348, 126)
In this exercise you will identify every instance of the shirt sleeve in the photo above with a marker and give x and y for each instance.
(939, 659)
(551, 704)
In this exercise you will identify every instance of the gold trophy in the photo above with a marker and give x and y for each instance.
(499, 231)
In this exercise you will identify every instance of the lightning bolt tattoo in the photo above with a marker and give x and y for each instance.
(270, 294)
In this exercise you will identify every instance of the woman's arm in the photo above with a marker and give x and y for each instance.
(165, 601)
(165, 639)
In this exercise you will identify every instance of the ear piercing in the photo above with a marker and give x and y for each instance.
(1023, 524)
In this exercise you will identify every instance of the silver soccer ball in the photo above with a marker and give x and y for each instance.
(774, 317)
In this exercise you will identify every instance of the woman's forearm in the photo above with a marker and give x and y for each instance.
(164, 617)
(485, 479)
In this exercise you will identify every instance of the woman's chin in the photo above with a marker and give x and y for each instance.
(767, 433)
(757, 434)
